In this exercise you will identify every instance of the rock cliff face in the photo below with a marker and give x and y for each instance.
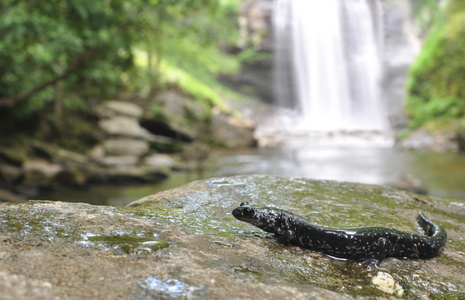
(401, 45)
(256, 32)
(184, 243)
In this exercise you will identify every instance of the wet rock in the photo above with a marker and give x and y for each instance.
(40, 172)
(129, 174)
(167, 129)
(161, 161)
(119, 161)
(174, 104)
(194, 157)
(418, 140)
(184, 243)
(409, 183)
(57, 154)
(129, 127)
(182, 118)
(119, 108)
(458, 207)
(53, 247)
(461, 141)
(386, 283)
(423, 139)
(176, 116)
(203, 207)
(9, 174)
(97, 152)
(128, 147)
(233, 133)
(73, 176)
(14, 156)
(124, 126)
(7, 196)
(20, 287)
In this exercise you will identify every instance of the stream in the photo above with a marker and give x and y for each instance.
(364, 159)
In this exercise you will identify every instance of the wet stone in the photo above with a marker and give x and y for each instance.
(185, 244)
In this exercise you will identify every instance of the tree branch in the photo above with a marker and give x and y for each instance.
(10, 101)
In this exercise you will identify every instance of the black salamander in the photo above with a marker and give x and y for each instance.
(367, 244)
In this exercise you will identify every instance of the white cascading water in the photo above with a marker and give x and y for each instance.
(328, 65)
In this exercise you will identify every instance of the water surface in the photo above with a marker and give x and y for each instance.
(348, 159)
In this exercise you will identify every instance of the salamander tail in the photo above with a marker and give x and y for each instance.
(433, 230)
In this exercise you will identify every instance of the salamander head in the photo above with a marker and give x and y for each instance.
(262, 217)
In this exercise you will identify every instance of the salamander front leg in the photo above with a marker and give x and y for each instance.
(380, 251)
(285, 237)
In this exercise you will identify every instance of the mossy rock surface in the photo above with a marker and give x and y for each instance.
(184, 243)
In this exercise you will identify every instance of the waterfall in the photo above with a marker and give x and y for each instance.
(328, 64)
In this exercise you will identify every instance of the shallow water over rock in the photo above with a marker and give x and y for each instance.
(184, 243)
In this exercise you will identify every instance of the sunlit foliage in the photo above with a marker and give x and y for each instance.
(66, 55)
(437, 78)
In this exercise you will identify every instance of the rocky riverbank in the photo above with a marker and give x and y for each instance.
(131, 143)
(184, 243)
(424, 139)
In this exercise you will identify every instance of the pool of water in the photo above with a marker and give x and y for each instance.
(443, 174)
(352, 159)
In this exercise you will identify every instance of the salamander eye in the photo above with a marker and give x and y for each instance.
(247, 211)
(244, 204)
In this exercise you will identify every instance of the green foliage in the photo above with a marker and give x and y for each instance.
(77, 45)
(69, 54)
(436, 80)
(249, 55)
(192, 59)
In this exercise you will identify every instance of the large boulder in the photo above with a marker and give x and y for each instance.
(175, 115)
(185, 119)
(184, 243)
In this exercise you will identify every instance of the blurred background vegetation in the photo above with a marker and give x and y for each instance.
(59, 58)
(436, 86)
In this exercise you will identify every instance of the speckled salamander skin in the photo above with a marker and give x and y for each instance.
(368, 244)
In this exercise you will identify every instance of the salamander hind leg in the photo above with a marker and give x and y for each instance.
(380, 249)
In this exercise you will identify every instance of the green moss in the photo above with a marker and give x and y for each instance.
(447, 296)
(39, 224)
(449, 261)
(255, 273)
(157, 112)
(129, 243)
(48, 227)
